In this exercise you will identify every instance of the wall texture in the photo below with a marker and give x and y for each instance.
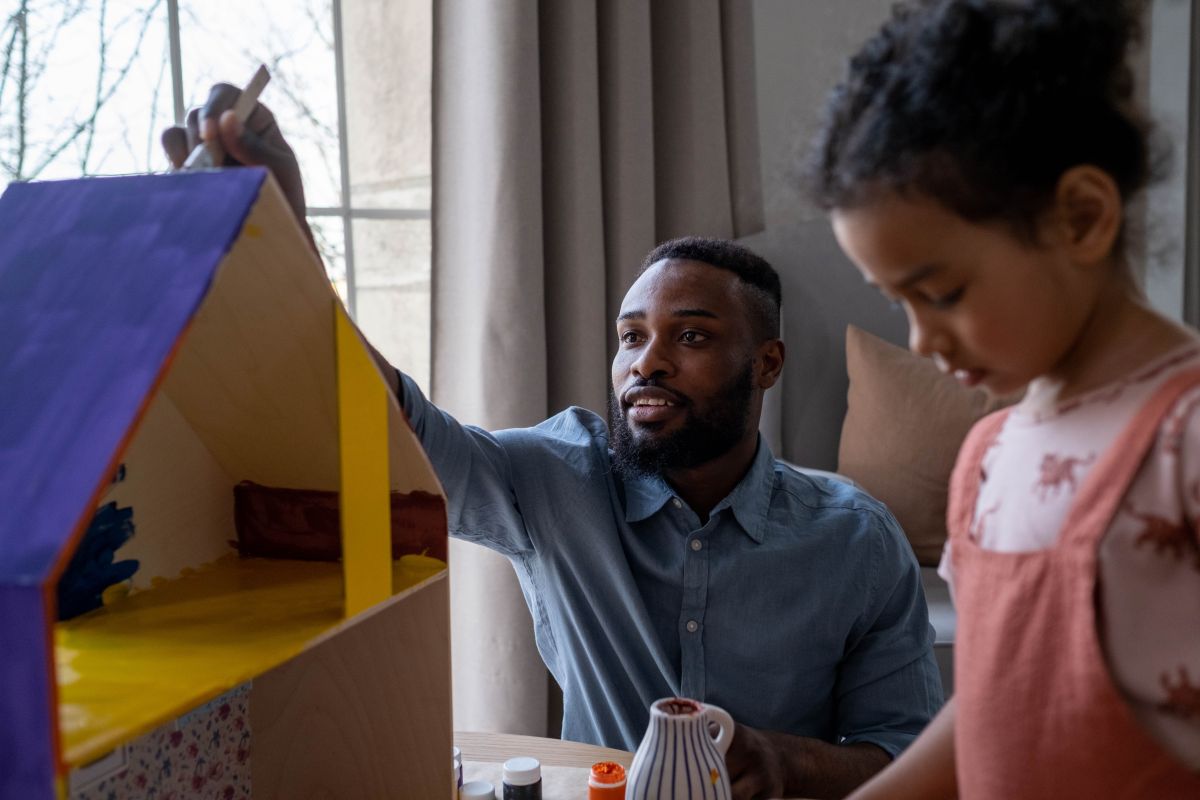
(801, 50)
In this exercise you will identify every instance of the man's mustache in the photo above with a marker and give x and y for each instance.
(652, 383)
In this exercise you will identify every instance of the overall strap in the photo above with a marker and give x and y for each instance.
(965, 480)
(1105, 487)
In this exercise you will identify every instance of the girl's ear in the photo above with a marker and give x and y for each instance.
(1089, 213)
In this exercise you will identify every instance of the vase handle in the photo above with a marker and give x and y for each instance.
(715, 715)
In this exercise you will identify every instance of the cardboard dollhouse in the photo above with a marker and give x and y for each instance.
(174, 361)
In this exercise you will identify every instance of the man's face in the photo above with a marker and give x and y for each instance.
(683, 378)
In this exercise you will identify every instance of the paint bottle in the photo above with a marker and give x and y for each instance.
(477, 790)
(522, 779)
(607, 781)
(458, 769)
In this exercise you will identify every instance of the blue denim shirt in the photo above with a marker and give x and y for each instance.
(797, 607)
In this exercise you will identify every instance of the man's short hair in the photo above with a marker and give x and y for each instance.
(764, 294)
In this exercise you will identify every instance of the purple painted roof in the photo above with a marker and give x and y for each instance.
(98, 277)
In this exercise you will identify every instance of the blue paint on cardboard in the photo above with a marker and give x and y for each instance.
(93, 567)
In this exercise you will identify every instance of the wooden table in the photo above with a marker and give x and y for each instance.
(565, 765)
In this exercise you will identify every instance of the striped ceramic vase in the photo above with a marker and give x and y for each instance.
(682, 756)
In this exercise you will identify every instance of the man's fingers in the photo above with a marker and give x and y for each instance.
(262, 122)
(257, 141)
(175, 143)
(748, 787)
(210, 134)
(193, 128)
(266, 149)
(221, 98)
(243, 145)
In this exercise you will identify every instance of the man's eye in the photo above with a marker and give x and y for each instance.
(691, 337)
(629, 337)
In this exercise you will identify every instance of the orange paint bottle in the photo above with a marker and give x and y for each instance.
(607, 781)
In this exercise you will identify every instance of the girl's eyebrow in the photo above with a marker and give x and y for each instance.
(918, 275)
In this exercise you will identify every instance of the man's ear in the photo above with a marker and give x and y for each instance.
(1088, 213)
(769, 365)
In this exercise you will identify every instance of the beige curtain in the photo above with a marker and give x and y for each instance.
(570, 136)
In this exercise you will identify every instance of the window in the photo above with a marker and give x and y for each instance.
(86, 87)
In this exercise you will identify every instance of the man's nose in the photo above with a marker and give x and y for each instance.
(652, 361)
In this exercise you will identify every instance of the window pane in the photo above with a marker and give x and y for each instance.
(226, 40)
(391, 272)
(330, 235)
(388, 63)
(88, 93)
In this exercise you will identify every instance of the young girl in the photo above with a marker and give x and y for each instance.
(978, 161)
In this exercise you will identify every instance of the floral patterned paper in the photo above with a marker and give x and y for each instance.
(203, 755)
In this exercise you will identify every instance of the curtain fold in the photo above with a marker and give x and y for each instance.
(570, 137)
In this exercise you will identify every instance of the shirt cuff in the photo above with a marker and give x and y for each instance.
(891, 742)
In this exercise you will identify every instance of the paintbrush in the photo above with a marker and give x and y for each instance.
(201, 156)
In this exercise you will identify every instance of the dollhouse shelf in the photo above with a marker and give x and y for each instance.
(143, 660)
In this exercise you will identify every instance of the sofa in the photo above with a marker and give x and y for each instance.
(904, 423)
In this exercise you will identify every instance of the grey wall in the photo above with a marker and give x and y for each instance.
(1167, 73)
(801, 49)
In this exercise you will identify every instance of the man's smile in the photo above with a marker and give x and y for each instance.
(649, 404)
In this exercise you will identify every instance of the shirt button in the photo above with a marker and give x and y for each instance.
(693, 626)
(697, 544)
(677, 503)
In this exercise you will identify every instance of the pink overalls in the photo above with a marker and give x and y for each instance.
(1036, 712)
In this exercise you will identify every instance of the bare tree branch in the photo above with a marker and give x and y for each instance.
(22, 85)
(319, 19)
(79, 128)
(152, 136)
(91, 130)
(8, 54)
(41, 60)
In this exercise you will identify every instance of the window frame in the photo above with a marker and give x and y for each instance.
(345, 210)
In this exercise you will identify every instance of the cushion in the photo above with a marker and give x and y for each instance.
(905, 421)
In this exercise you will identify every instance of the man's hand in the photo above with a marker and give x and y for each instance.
(756, 769)
(257, 143)
(768, 764)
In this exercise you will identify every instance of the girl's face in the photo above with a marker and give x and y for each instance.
(991, 308)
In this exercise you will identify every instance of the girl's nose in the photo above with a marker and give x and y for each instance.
(927, 340)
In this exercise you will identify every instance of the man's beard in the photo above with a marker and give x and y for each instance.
(701, 439)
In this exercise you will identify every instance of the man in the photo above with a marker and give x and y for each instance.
(674, 555)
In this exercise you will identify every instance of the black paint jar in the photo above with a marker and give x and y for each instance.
(522, 779)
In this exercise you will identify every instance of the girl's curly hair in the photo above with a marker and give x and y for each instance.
(982, 105)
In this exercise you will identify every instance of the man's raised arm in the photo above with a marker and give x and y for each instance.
(471, 464)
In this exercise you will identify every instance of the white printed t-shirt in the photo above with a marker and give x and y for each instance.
(1149, 561)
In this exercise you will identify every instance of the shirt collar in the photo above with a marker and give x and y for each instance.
(750, 500)
(644, 496)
